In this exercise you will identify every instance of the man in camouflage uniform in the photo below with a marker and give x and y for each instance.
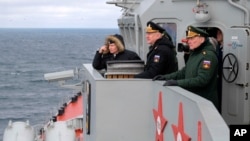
(200, 73)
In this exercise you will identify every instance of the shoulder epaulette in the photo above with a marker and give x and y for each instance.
(204, 52)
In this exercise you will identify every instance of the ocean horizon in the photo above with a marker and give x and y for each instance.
(26, 55)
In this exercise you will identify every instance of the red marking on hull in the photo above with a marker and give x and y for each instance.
(199, 131)
(79, 134)
(72, 110)
(160, 120)
(178, 130)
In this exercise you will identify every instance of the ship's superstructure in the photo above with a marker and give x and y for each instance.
(231, 17)
(112, 106)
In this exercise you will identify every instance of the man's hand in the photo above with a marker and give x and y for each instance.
(170, 83)
(103, 49)
(159, 77)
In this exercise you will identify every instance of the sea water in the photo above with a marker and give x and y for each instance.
(26, 55)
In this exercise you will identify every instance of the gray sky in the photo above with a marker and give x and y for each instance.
(58, 13)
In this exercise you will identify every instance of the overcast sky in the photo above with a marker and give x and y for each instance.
(58, 13)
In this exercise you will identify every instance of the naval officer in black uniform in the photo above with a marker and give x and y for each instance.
(161, 58)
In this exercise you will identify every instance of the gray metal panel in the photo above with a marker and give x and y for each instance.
(119, 114)
(236, 102)
(123, 110)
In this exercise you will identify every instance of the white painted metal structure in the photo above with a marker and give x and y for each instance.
(19, 131)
